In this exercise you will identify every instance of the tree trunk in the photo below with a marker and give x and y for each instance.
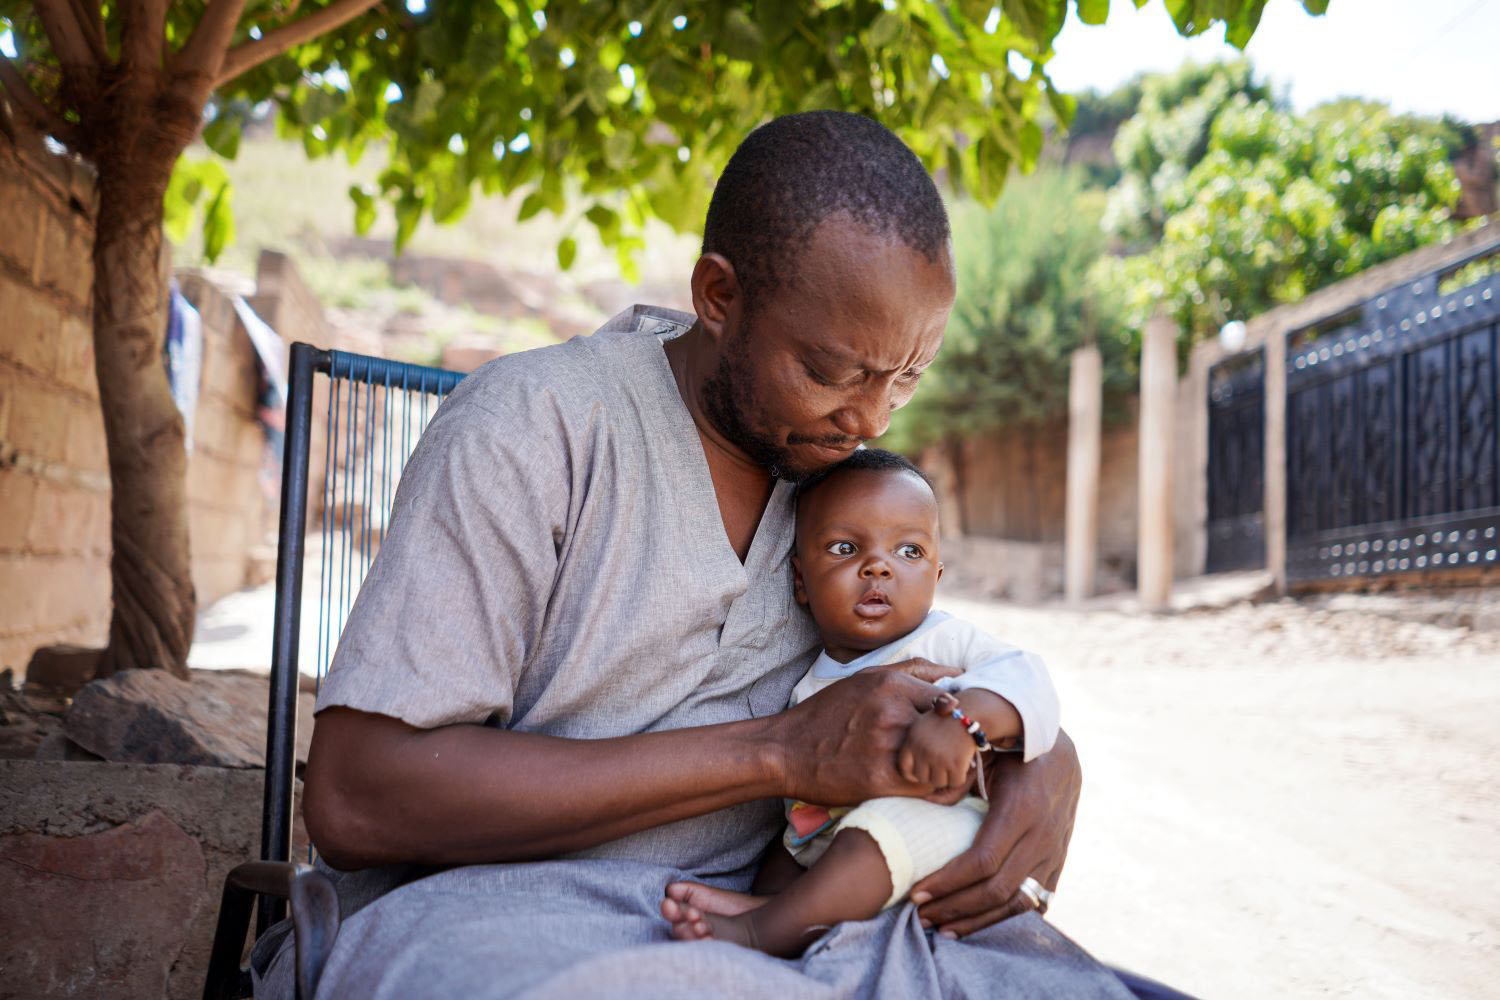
(150, 567)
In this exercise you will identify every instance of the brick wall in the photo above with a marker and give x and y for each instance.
(54, 476)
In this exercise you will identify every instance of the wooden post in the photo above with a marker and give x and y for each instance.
(1275, 456)
(1158, 406)
(1081, 530)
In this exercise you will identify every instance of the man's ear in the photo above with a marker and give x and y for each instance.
(799, 590)
(717, 297)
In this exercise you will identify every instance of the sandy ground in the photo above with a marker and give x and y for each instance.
(1279, 800)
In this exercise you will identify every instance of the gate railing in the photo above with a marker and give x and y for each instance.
(1391, 430)
(1236, 463)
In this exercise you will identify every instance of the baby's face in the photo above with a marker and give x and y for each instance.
(867, 558)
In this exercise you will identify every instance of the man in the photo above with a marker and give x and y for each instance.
(562, 686)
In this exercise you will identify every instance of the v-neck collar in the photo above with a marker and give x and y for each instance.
(695, 496)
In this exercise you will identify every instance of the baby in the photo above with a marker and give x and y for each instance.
(866, 566)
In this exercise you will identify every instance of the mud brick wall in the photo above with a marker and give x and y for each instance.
(231, 501)
(54, 472)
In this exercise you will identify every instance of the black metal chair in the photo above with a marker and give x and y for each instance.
(376, 411)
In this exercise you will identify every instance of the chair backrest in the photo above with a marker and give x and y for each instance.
(348, 437)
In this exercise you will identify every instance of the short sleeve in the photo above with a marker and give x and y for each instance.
(1019, 677)
(455, 599)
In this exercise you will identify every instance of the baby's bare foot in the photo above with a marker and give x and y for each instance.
(699, 912)
(708, 899)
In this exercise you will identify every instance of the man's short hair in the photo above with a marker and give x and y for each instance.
(795, 171)
(875, 459)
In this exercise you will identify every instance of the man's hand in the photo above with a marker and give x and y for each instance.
(1026, 833)
(839, 747)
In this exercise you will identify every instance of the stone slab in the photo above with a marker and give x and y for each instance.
(217, 808)
(67, 895)
(151, 717)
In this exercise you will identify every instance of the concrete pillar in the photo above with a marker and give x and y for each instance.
(1275, 453)
(1081, 529)
(1158, 413)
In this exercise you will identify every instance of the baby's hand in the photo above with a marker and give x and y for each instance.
(937, 752)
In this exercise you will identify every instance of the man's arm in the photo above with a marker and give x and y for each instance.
(379, 791)
(1025, 833)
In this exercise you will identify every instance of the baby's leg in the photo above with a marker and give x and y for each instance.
(850, 882)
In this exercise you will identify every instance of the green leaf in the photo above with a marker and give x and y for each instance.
(885, 30)
(567, 252)
(606, 220)
(1093, 11)
(408, 214)
(218, 223)
(222, 135)
(532, 204)
(1031, 144)
(617, 149)
(451, 202)
(424, 103)
(364, 209)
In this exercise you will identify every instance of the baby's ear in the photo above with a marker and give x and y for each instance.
(799, 592)
(940, 571)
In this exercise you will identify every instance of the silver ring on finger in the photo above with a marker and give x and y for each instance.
(1033, 890)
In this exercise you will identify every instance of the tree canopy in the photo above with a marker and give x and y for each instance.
(1280, 205)
(1024, 303)
(637, 103)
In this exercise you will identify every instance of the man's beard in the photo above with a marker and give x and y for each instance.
(728, 401)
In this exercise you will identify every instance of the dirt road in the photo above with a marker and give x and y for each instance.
(1279, 800)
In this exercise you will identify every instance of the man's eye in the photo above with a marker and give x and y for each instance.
(909, 551)
(822, 378)
(841, 548)
(911, 376)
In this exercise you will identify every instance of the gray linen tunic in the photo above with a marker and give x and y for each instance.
(556, 563)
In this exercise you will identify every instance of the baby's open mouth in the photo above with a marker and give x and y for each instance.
(874, 604)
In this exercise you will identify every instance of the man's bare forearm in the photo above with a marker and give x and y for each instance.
(380, 791)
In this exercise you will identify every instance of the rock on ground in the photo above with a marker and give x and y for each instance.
(217, 719)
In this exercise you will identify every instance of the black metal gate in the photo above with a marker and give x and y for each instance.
(1236, 463)
(1391, 443)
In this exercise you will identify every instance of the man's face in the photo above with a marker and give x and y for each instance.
(867, 558)
(826, 357)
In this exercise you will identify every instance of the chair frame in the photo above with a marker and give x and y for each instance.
(275, 881)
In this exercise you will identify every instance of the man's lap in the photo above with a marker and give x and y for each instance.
(573, 927)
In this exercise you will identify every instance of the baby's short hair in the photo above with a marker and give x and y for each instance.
(873, 459)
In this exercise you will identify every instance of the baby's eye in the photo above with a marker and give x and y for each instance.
(841, 548)
(909, 551)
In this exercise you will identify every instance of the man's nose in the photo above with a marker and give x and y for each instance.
(867, 417)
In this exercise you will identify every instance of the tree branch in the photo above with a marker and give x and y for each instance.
(197, 63)
(30, 107)
(66, 36)
(91, 21)
(143, 35)
(248, 55)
